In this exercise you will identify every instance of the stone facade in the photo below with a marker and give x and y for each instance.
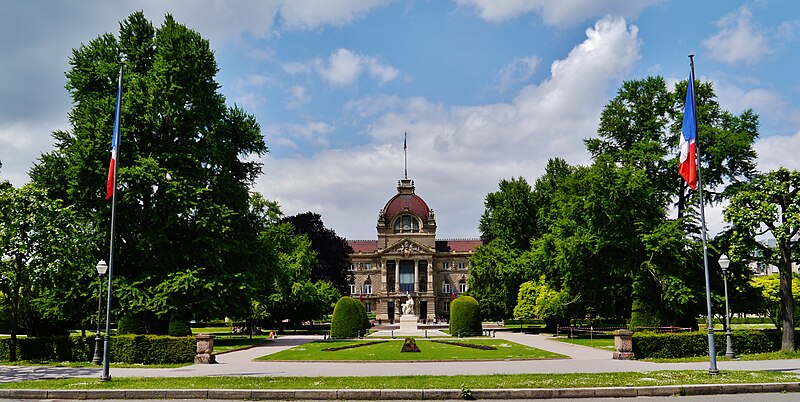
(406, 259)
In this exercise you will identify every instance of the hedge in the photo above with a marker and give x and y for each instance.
(465, 317)
(688, 344)
(133, 349)
(348, 318)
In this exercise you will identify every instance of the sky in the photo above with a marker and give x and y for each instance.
(485, 89)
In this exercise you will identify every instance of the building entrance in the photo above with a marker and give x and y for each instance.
(407, 277)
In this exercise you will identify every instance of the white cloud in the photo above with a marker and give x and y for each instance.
(297, 97)
(310, 14)
(556, 12)
(764, 102)
(519, 71)
(458, 154)
(314, 132)
(778, 151)
(21, 143)
(739, 38)
(344, 67)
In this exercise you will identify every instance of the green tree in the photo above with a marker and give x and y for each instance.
(495, 277)
(537, 299)
(41, 248)
(510, 215)
(333, 252)
(187, 244)
(770, 204)
(769, 287)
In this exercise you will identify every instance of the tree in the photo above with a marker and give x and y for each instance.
(770, 204)
(495, 277)
(187, 245)
(510, 215)
(41, 251)
(333, 252)
(770, 304)
(537, 300)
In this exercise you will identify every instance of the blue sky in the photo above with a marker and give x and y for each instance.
(485, 89)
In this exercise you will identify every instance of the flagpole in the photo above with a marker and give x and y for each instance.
(105, 376)
(405, 155)
(712, 353)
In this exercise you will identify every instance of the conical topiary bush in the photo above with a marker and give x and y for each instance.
(465, 317)
(348, 318)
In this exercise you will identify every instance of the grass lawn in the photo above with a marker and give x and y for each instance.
(573, 380)
(600, 342)
(228, 343)
(430, 351)
(758, 356)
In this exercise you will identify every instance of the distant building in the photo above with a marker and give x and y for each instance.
(762, 269)
(407, 259)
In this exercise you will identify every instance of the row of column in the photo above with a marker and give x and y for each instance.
(384, 274)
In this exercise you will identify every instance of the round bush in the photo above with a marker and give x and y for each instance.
(179, 328)
(348, 318)
(465, 317)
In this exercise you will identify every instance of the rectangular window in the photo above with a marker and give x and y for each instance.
(447, 307)
(352, 267)
(461, 265)
(367, 265)
(445, 265)
(368, 306)
(446, 287)
(352, 289)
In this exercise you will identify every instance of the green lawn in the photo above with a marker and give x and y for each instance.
(228, 343)
(573, 380)
(599, 342)
(431, 351)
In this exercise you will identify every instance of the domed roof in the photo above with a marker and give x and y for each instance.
(406, 203)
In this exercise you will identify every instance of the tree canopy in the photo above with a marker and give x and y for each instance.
(770, 204)
(187, 242)
(604, 235)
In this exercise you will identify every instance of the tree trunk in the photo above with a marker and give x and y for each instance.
(787, 304)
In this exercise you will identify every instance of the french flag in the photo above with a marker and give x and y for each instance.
(688, 157)
(115, 140)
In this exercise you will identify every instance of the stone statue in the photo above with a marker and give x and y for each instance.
(408, 306)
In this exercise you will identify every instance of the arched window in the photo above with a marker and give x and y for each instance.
(352, 286)
(462, 286)
(406, 224)
(368, 287)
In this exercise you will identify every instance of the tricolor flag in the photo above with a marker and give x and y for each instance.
(688, 157)
(115, 139)
(452, 293)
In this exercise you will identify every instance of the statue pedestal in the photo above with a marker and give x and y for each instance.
(408, 323)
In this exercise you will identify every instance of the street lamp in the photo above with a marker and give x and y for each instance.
(101, 268)
(724, 262)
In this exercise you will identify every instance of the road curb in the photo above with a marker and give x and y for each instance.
(402, 394)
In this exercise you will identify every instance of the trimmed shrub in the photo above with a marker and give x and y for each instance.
(153, 349)
(131, 325)
(179, 328)
(688, 344)
(145, 349)
(465, 317)
(348, 318)
(50, 348)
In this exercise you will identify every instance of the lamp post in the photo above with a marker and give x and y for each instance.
(724, 262)
(101, 270)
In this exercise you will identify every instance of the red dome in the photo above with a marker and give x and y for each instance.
(406, 203)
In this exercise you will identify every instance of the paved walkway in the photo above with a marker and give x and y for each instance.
(240, 363)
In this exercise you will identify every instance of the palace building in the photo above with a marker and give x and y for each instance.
(407, 259)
